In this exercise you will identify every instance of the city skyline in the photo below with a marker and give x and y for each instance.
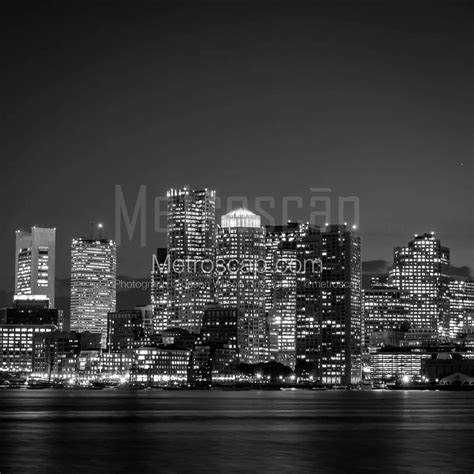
(275, 322)
(373, 268)
(313, 321)
(238, 236)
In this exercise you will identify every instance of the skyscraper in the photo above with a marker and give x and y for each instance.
(421, 269)
(341, 324)
(35, 259)
(241, 279)
(93, 291)
(292, 292)
(191, 255)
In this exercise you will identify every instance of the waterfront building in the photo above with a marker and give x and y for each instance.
(397, 364)
(293, 272)
(16, 345)
(240, 280)
(55, 354)
(341, 311)
(421, 269)
(116, 364)
(164, 366)
(445, 364)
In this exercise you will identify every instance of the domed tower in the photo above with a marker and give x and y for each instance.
(240, 267)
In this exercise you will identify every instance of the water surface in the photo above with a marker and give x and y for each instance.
(49, 431)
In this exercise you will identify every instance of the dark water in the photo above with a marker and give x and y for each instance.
(303, 431)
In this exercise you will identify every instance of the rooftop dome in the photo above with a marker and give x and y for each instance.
(240, 217)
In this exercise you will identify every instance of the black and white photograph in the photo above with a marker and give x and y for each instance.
(237, 236)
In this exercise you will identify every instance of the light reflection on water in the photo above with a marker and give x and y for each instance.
(304, 431)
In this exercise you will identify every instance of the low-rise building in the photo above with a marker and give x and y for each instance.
(445, 364)
(155, 365)
(16, 345)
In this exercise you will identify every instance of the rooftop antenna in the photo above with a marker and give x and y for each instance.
(92, 230)
(100, 231)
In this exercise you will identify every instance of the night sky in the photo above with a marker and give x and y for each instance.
(255, 99)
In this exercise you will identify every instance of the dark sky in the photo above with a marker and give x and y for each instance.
(369, 99)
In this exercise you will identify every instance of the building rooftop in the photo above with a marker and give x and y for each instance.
(240, 217)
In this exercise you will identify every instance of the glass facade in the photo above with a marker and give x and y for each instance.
(240, 280)
(292, 292)
(341, 311)
(93, 285)
(181, 293)
(35, 258)
(421, 270)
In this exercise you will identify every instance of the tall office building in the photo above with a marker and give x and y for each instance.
(159, 291)
(421, 269)
(35, 259)
(93, 291)
(241, 280)
(341, 318)
(292, 292)
(191, 252)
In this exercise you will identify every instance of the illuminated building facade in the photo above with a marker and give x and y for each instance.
(191, 252)
(417, 337)
(93, 289)
(386, 310)
(292, 292)
(55, 354)
(341, 311)
(241, 280)
(35, 259)
(30, 316)
(421, 270)
(461, 306)
(161, 366)
(397, 364)
(16, 345)
(116, 364)
(88, 365)
(159, 291)
(224, 366)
